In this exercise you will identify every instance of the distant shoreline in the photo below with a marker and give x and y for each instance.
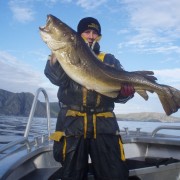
(147, 121)
(147, 117)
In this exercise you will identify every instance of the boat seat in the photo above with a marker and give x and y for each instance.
(136, 163)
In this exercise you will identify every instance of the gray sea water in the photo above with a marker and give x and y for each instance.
(11, 128)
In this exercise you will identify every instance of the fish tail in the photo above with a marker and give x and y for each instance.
(175, 95)
(165, 104)
(170, 99)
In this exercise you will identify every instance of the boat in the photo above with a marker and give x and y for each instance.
(150, 156)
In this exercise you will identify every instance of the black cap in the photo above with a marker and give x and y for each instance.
(89, 23)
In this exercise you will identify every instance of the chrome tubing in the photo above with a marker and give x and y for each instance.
(164, 127)
(33, 108)
(13, 143)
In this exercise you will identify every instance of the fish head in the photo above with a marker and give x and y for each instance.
(56, 34)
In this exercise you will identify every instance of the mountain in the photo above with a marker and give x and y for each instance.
(19, 104)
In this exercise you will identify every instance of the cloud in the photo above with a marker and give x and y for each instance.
(15, 72)
(87, 5)
(90, 4)
(154, 26)
(21, 10)
(16, 76)
(154, 14)
(169, 76)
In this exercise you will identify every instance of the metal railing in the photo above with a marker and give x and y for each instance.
(164, 127)
(28, 126)
(33, 108)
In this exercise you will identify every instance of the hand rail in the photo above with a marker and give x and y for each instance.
(13, 143)
(33, 107)
(28, 126)
(164, 127)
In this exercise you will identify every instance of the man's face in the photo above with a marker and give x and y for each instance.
(90, 35)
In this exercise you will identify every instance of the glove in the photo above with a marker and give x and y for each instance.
(127, 90)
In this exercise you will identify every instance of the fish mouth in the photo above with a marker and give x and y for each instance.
(46, 27)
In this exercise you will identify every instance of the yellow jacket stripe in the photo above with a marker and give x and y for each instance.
(121, 150)
(101, 56)
(56, 136)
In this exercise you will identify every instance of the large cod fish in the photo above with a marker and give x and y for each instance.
(81, 65)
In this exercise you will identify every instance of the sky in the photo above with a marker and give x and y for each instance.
(141, 34)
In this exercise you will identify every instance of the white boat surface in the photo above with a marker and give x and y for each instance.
(150, 156)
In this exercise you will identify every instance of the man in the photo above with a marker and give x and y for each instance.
(86, 125)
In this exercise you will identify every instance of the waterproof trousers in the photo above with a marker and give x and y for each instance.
(106, 154)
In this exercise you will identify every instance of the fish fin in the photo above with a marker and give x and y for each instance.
(170, 100)
(148, 75)
(143, 94)
(145, 72)
(151, 91)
